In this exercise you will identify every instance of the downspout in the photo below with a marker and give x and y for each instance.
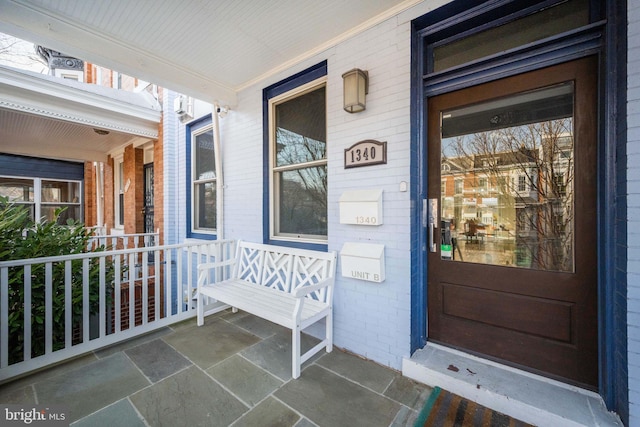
(217, 152)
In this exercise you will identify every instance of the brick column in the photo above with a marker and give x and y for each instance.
(134, 194)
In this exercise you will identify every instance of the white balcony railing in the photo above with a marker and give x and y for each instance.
(56, 308)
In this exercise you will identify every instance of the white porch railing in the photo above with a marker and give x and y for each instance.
(56, 308)
(123, 241)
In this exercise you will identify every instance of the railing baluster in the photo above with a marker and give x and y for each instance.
(48, 310)
(179, 272)
(27, 312)
(168, 280)
(145, 287)
(132, 295)
(117, 292)
(157, 273)
(103, 299)
(68, 310)
(86, 322)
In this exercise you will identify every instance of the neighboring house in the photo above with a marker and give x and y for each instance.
(110, 125)
(274, 169)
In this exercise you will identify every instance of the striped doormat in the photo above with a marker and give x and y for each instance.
(445, 409)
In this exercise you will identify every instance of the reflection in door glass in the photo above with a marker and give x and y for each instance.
(507, 171)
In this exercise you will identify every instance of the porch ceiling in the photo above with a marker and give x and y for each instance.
(209, 50)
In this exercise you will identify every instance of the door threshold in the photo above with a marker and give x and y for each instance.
(528, 397)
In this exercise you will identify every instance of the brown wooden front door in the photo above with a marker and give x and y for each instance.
(512, 264)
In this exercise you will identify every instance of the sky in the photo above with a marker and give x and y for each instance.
(20, 54)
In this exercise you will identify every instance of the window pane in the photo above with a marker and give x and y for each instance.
(301, 129)
(516, 158)
(303, 201)
(60, 192)
(205, 206)
(72, 212)
(205, 165)
(17, 190)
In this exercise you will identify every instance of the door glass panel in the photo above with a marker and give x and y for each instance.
(547, 22)
(507, 171)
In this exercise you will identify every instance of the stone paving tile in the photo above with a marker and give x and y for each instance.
(210, 344)
(408, 392)
(92, 387)
(157, 359)
(274, 354)
(304, 423)
(256, 325)
(365, 372)
(22, 395)
(45, 374)
(406, 417)
(119, 414)
(269, 413)
(244, 379)
(188, 398)
(330, 400)
(133, 342)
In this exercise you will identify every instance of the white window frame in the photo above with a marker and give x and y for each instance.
(194, 182)
(274, 215)
(37, 202)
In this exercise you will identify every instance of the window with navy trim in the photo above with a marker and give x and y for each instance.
(201, 186)
(297, 161)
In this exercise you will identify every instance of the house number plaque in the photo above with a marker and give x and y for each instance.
(365, 153)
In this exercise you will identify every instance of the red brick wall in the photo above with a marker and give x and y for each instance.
(90, 214)
(134, 194)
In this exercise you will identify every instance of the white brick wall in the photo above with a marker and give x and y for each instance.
(370, 319)
(633, 202)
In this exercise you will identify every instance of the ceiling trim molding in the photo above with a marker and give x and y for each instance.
(39, 95)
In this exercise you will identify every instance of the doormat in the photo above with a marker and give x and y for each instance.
(445, 409)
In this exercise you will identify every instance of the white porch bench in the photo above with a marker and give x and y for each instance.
(287, 286)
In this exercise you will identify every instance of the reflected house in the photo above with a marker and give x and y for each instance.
(522, 199)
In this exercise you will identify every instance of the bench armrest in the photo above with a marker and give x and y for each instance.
(203, 268)
(306, 290)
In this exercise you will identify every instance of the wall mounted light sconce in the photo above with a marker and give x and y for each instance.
(356, 86)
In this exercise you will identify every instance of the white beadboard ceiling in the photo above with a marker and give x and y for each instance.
(206, 49)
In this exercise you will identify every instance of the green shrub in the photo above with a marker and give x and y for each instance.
(23, 238)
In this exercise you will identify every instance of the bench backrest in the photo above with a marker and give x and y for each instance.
(285, 269)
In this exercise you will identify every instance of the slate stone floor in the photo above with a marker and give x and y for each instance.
(233, 371)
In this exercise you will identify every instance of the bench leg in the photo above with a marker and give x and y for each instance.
(329, 326)
(234, 309)
(295, 353)
(200, 309)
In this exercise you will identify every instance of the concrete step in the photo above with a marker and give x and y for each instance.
(528, 397)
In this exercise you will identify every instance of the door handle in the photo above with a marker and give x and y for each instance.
(432, 213)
